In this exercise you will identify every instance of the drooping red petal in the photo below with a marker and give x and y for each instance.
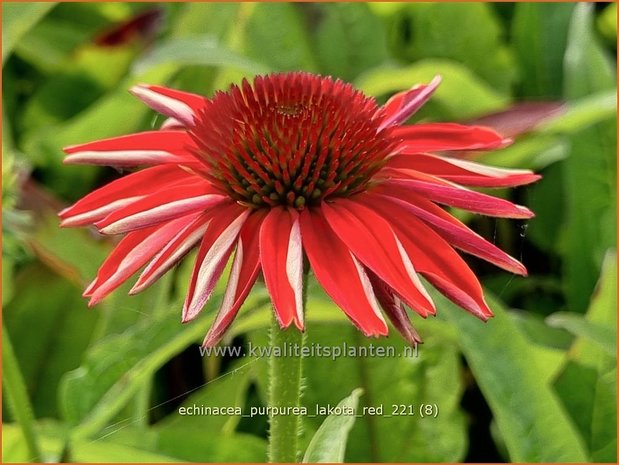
(451, 194)
(120, 193)
(432, 256)
(436, 137)
(183, 241)
(403, 105)
(163, 205)
(393, 307)
(182, 106)
(243, 275)
(452, 230)
(131, 253)
(374, 243)
(225, 222)
(281, 256)
(340, 273)
(143, 148)
(460, 171)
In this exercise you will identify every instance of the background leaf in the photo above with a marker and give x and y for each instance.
(329, 443)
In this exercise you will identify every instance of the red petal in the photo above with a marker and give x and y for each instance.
(373, 241)
(182, 106)
(403, 105)
(172, 253)
(163, 205)
(452, 230)
(447, 193)
(436, 137)
(243, 275)
(131, 253)
(393, 307)
(225, 222)
(433, 257)
(462, 171)
(281, 256)
(120, 193)
(143, 148)
(340, 273)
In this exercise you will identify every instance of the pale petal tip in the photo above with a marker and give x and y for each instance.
(137, 288)
(436, 80)
(525, 212)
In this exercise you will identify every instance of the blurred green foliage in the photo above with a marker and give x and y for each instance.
(535, 384)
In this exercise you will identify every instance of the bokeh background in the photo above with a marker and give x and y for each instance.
(535, 384)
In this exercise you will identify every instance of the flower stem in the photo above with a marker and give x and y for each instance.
(17, 395)
(285, 380)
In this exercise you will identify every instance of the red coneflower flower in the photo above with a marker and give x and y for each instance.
(291, 166)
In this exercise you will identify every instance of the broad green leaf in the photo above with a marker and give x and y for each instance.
(513, 380)
(95, 70)
(539, 32)
(587, 382)
(48, 46)
(582, 113)
(198, 50)
(467, 33)
(282, 48)
(607, 22)
(17, 19)
(198, 446)
(50, 341)
(14, 448)
(348, 25)
(192, 443)
(590, 175)
(205, 18)
(117, 366)
(576, 324)
(547, 200)
(461, 95)
(109, 452)
(328, 445)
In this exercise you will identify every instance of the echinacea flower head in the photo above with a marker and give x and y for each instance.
(291, 168)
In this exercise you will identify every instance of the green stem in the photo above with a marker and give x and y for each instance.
(285, 381)
(15, 389)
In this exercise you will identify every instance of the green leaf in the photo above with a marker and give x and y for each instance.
(47, 343)
(590, 175)
(198, 50)
(116, 367)
(587, 382)
(539, 32)
(607, 23)
(576, 324)
(348, 25)
(110, 452)
(514, 381)
(282, 48)
(582, 113)
(328, 445)
(461, 95)
(17, 19)
(468, 33)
